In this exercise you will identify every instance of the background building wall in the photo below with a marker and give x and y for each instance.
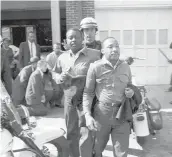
(77, 10)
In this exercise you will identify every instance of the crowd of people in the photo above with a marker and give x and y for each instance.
(89, 75)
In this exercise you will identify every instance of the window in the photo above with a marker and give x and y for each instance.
(163, 36)
(139, 37)
(127, 37)
(103, 35)
(116, 35)
(151, 37)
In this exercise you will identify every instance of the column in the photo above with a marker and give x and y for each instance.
(55, 21)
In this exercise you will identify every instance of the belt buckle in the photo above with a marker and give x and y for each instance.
(113, 104)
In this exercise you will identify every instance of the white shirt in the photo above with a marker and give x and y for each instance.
(32, 49)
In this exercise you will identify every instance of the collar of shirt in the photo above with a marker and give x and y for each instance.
(82, 51)
(107, 62)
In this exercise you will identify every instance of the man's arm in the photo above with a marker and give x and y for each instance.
(21, 55)
(89, 90)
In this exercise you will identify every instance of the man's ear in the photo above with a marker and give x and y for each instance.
(102, 51)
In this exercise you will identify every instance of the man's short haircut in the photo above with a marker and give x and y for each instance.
(41, 62)
(74, 29)
(108, 39)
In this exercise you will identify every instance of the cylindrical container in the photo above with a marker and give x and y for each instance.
(140, 124)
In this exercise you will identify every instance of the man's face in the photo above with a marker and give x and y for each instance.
(31, 37)
(111, 50)
(74, 40)
(89, 34)
(57, 48)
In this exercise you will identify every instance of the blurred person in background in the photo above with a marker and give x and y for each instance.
(5, 69)
(89, 28)
(28, 50)
(53, 56)
(21, 81)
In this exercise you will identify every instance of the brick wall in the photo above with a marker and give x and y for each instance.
(77, 10)
(88, 9)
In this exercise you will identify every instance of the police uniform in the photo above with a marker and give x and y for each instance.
(94, 45)
(87, 138)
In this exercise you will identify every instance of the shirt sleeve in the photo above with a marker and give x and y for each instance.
(89, 90)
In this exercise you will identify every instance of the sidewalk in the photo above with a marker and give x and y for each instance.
(159, 145)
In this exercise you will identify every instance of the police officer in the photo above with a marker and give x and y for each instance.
(89, 28)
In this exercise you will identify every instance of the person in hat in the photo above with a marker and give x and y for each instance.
(21, 81)
(89, 28)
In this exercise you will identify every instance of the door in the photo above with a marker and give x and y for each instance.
(140, 33)
(18, 35)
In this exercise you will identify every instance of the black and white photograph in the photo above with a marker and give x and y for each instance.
(86, 78)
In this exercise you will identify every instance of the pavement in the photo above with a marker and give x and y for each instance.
(159, 145)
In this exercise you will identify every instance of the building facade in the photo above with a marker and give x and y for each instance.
(141, 27)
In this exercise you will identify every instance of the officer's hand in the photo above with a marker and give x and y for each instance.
(130, 60)
(129, 92)
(91, 123)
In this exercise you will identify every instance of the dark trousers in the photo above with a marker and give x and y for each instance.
(80, 138)
(109, 125)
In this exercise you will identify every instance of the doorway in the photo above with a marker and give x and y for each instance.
(18, 35)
